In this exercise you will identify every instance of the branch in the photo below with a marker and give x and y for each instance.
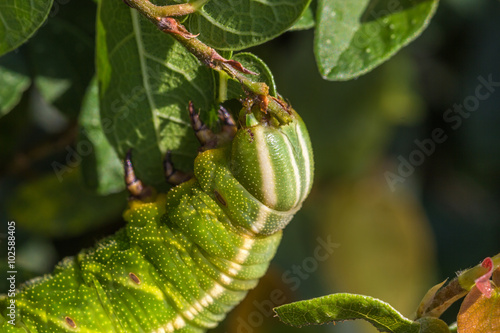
(161, 17)
(454, 290)
(152, 11)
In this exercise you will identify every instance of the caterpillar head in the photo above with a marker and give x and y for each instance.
(273, 159)
(263, 174)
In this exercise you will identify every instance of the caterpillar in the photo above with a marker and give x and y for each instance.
(187, 257)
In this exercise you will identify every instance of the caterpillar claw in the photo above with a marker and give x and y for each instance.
(172, 175)
(205, 136)
(229, 127)
(135, 187)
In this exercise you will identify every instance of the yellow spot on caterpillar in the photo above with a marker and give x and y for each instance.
(71, 323)
(134, 278)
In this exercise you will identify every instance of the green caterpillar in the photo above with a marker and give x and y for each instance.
(185, 258)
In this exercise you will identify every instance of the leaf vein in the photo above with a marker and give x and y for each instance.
(145, 81)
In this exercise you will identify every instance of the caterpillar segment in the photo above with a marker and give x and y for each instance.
(187, 257)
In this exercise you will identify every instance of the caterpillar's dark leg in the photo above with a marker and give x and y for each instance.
(205, 136)
(172, 175)
(134, 185)
(229, 127)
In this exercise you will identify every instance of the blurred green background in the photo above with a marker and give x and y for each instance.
(388, 241)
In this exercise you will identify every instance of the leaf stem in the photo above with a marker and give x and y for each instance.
(222, 95)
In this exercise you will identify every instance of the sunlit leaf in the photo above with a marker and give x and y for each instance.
(432, 325)
(306, 21)
(428, 298)
(352, 37)
(146, 80)
(235, 25)
(479, 314)
(256, 65)
(340, 307)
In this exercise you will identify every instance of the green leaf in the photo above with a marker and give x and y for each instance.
(102, 169)
(14, 80)
(352, 37)
(19, 19)
(146, 80)
(340, 307)
(235, 25)
(62, 56)
(255, 64)
(433, 325)
(61, 208)
(305, 22)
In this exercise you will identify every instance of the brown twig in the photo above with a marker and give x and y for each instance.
(209, 56)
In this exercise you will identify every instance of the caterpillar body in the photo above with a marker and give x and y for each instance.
(187, 257)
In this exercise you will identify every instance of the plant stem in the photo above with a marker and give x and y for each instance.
(222, 95)
(467, 279)
(457, 288)
(161, 17)
(152, 11)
